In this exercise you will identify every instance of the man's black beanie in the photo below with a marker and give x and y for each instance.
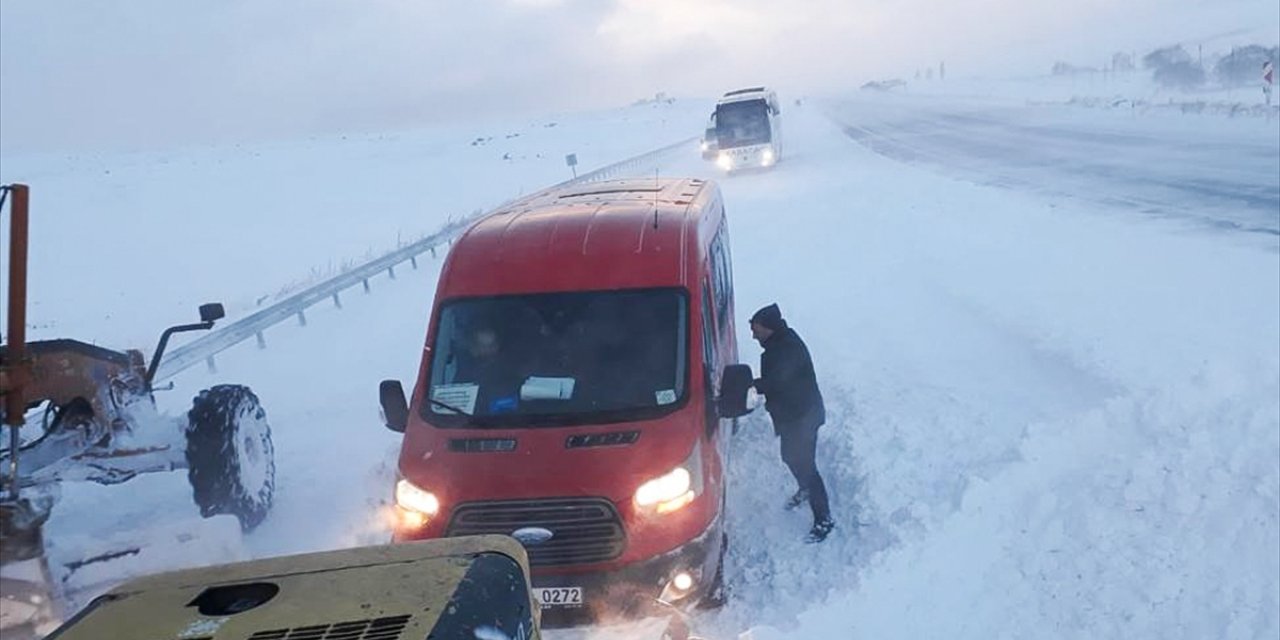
(770, 318)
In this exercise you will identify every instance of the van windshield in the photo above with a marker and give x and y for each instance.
(558, 358)
(741, 124)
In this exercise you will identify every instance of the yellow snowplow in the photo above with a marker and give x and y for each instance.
(473, 587)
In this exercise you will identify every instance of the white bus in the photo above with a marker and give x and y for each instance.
(748, 129)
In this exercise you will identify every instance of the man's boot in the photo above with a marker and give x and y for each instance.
(821, 529)
(800, 497)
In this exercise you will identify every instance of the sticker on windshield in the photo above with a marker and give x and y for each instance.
(666, 396)
(539, 388)
(459, 396)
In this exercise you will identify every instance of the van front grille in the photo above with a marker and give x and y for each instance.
(584, 530)
(482, 445)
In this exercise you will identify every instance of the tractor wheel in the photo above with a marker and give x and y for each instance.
(230, 459)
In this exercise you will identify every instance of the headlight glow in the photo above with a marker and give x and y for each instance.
(671, 486)
(410, 519)
(724, 162)
(415, 499)
(675, 489)
(680, 586)
(705, 145)
(766, 158)
(677, 503)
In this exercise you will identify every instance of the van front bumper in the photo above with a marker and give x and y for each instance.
(638, 589)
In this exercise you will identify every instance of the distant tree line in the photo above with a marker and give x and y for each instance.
(1120, 62)
(1243, 66)
(1174, 67)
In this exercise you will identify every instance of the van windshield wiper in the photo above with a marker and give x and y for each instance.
(446, 405)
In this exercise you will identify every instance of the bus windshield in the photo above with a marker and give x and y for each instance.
(741, 124)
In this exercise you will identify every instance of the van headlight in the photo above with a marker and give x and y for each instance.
(724, 161)
(416, 500)
(766, 158)
(674, 489)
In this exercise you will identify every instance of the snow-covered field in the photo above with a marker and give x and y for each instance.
(125, 244)
(1048, 417)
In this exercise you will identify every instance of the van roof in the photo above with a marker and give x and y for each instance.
(614, 234)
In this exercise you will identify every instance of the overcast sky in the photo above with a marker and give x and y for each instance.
(79, 73)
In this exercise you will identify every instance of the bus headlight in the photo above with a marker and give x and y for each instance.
(766, 158)
(724, 161)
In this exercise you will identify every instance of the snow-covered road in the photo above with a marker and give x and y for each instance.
(1048, 417)
(1220, 171)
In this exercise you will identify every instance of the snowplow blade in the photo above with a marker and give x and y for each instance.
(27, 607)
(27, 592)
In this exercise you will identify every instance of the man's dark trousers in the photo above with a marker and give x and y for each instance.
(799, 448)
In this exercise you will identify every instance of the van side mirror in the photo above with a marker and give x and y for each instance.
(395, 408)
(734, 384)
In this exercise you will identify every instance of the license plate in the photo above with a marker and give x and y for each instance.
(559, 596)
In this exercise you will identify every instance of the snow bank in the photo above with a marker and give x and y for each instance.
(1154, 516)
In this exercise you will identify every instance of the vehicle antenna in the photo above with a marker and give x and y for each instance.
(655, 198)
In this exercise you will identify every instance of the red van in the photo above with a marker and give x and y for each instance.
(578, 388)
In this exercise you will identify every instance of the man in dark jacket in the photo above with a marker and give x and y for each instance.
(790, 387)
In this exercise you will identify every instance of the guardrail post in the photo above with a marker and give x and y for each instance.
(262, 340)
(366, 285)
(413, 260)
(337, 302)
(302, 318)
(391, 271)
(433, 251)
(213, 366)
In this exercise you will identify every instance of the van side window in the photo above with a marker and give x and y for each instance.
(708, 331)
(721, 274)
(709, 360)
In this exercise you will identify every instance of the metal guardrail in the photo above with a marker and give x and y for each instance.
(254, 324)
